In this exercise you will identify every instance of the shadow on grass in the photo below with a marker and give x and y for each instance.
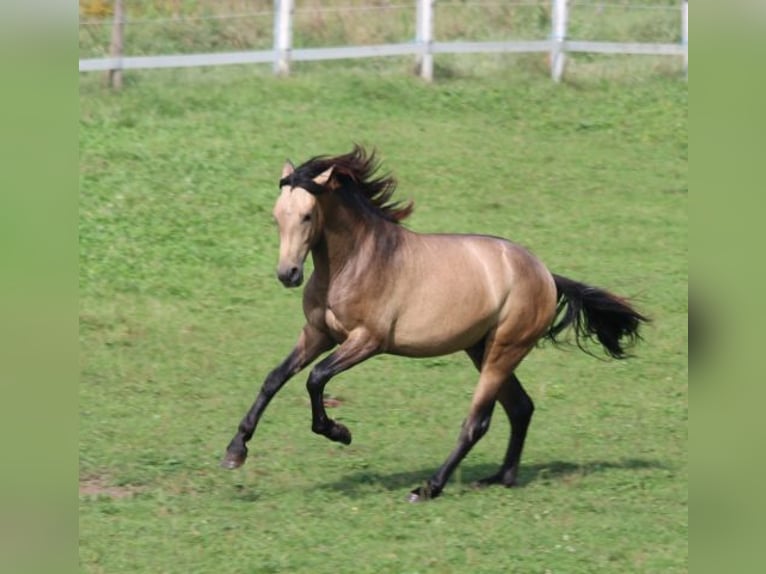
(360, 483)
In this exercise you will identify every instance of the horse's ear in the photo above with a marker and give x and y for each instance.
(287, 169)
(323, 177)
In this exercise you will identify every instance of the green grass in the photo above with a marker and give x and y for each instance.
(181, 317)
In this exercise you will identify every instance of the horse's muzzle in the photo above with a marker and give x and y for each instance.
(290, 276)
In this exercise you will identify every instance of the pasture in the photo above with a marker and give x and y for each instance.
(181, 318)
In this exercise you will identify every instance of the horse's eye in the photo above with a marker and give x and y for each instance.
(306, 218)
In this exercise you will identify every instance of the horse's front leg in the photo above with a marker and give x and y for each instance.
(310, 345)
(358, 347)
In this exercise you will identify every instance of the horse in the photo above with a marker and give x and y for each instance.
(378, 287)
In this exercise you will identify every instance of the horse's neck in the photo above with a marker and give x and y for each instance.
(349, 243)
(334, 252)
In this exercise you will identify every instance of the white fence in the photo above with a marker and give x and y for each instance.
(424, 46)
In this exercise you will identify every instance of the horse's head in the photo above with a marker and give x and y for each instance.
(300, 223)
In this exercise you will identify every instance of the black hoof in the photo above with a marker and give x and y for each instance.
(340, 433)
(233, 460)
(422, 494)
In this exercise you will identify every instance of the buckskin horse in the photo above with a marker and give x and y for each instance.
(378, 287)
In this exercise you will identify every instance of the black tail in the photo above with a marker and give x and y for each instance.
(593, 312)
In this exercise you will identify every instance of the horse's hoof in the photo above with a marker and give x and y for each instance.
(422, 494)
(233, 460)
(414, 497)
(341, 434)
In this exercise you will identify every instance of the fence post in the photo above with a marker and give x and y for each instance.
(558, 56)
(424, 37)
(685, 33)
(114, 76)
(283, 36)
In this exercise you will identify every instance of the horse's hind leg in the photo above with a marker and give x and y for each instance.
(519, 408)
(474, 427)
(498, 362)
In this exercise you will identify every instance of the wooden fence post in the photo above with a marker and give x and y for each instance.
(424, 37)
(558, 55)
(283, 36)
(685, 33)
(114, 75)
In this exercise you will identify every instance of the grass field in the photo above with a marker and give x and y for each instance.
(181, 317)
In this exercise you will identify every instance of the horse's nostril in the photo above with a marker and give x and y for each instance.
(290, 277)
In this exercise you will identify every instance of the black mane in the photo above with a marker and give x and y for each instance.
(353, 177)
